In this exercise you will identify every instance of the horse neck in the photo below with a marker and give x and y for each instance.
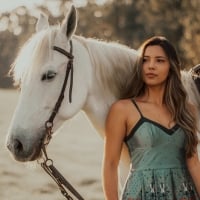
(104, 88)
(95, 107)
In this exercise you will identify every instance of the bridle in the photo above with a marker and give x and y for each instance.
(195, 72)
(47, 163)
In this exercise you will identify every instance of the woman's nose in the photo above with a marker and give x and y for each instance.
(151, 64)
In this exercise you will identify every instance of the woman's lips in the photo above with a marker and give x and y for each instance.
(151, 75)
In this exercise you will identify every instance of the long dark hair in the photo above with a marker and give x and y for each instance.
(175, 96)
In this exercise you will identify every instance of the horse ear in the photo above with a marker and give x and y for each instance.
(42, 23)
(69, 23)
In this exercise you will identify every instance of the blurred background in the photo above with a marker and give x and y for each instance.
(127, 21)
(78, 153)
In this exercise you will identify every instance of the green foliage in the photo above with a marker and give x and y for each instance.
(127, 21)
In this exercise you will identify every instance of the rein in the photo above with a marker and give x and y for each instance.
(47, 163)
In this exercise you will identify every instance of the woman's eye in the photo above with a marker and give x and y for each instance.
(48, 76)
(144, 60)
(160, 60)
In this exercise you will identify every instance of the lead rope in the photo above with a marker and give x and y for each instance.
(47, 163)
(62, 183)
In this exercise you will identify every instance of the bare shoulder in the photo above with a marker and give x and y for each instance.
(118, 110)
(116, 121)
(120, 106)
(124, 110)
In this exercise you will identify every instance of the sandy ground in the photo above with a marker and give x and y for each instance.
(76, 151)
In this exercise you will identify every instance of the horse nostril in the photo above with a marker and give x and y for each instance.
(25, 148)
(18, 145)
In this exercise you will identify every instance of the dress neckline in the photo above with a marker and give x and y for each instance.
(163, 127)
(167, 131)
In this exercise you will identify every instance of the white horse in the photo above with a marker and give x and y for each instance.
(100, 72)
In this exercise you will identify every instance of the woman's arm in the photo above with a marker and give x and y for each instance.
(193, 164)
(115, 133)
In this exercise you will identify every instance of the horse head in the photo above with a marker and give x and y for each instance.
(40, 71)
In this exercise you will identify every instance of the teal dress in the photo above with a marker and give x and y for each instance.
(158, 168)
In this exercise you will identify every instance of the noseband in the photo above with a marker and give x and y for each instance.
(47, 163)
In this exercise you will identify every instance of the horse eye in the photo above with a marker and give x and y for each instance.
(48, 76)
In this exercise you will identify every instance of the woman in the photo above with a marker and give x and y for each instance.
(159, 128)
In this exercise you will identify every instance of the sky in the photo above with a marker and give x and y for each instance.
(8, 5)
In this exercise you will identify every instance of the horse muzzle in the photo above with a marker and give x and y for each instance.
(25, 149)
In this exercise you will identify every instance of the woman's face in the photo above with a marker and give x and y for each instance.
(155, 66)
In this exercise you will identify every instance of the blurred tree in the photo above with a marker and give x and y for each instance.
(5, 57)
(18, 27)
(127, 21)
(190, 40)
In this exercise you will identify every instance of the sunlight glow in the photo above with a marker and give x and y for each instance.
(79, 3)
(100, 2)
(8, 6)
(3, 24)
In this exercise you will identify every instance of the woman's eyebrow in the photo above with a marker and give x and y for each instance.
(156, 57)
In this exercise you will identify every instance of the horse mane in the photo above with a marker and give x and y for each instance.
(188, 82)
(32, 54)
(113, 64)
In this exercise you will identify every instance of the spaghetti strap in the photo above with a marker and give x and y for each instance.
(133, 101)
